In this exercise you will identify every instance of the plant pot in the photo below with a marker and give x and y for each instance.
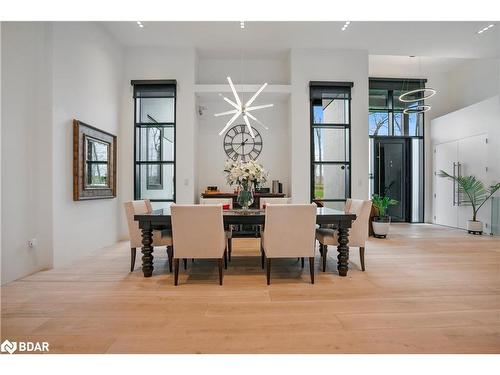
(381, 226)
(475, 227)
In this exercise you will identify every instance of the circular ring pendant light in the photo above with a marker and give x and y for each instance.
(430, 93)
(417, 109)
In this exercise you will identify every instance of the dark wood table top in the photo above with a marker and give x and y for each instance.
(324, 215)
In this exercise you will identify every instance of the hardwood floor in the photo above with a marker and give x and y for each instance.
(426, 289)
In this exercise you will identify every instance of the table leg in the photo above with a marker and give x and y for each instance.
(343, 249)
(147, 252)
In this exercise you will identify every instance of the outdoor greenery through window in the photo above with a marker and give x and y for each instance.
(330, 143)
(386, 117)
(154, 169)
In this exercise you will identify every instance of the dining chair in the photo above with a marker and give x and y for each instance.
(358, 234)
(160, 238)
(198, 233)
(289, 233)
(266, 201)
(227, 204)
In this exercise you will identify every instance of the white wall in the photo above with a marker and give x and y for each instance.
(476, 119)
(87, 77)
(159, 63)
(246, 70)
(275, 151)
(328, 65)
(26, 149)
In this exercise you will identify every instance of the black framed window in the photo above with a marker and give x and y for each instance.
(397, 146)
(330, 113)
(154, 155)
(386, 117)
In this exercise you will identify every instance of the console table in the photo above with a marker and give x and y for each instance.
(233, 196)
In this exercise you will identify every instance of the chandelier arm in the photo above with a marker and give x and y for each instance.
(259, 107)
(238, 108)
(233, 119)
(226, 113)
(238, 101)
(256, 120)
(255, 95)
(245, 118)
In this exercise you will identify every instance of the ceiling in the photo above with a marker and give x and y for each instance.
(433, 39)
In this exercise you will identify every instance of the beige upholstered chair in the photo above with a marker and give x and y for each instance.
(198, 233)
(266, 201)
(358, 234)
(160, 238)
(228, 231)
(289, 233)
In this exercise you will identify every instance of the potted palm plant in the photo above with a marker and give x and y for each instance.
(381, 222)
(474, 194)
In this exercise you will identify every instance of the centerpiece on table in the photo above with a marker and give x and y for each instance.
(246, 175)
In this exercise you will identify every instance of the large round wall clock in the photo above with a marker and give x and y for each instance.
(239, 144)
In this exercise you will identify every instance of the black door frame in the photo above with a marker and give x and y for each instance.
(407, 164)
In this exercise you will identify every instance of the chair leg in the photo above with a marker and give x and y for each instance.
(302, 262)
(325, 252)
(133, 252)
(220, 270)
(321, 249)
(225, 259)
(229, 247)
(268, 271)
(362, 258)
(185, 263)
(176, 271)
(311, 268)
(170, 255)
(262, 256)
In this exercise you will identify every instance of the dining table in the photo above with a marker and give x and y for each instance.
(160, 219)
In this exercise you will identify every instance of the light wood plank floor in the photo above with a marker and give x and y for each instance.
(427, 289)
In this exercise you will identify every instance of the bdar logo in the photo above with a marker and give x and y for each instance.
(9, 347)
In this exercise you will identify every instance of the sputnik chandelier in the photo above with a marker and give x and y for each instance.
(243, 109)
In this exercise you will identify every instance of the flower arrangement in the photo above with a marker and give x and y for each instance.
(245, 174)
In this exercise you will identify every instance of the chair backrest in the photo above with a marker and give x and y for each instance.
(198, 231)
(136, 208)
(223, 201)
(266, 201)
(290, 230)
(358, 234)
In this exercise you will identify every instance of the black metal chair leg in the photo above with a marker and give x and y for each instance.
(176, 272)
(325, 253)
(220, 270)
(311, 269)
(133, 252)
(362, 258)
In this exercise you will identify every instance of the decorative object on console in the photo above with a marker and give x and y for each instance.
(382, 221)
(475, 194)
(245, 176)
(94, 163)
(239, 144)
(243, 109)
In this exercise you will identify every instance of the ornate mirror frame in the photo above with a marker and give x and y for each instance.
(85, 163)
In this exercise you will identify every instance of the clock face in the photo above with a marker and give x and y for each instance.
(239, 144)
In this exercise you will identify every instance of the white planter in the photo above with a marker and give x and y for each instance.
(381, 228)
(475, 227)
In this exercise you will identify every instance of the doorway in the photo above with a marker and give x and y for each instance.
(392, 174)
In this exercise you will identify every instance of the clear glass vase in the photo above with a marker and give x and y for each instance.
(245, 197)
